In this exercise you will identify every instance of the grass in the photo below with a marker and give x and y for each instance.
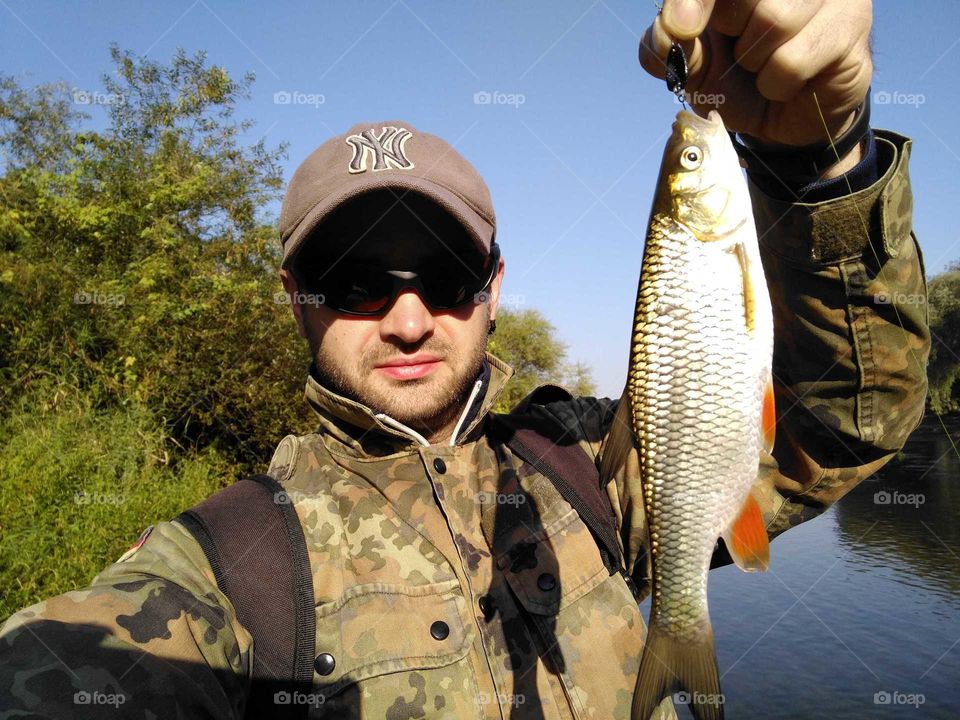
(77, 487)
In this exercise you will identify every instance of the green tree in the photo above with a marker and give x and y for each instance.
(943, 293)
(527, 342)
(137, 264)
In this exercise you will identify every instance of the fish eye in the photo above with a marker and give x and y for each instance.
(691, 157)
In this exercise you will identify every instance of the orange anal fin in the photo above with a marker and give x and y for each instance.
(747, 540)
(768, 419)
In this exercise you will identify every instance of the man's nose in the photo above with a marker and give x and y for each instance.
(409, 320)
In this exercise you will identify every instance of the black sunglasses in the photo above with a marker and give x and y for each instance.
(363, 289)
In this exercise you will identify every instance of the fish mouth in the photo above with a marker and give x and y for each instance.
(687, 119)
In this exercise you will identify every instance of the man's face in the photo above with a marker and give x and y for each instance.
(411, 362)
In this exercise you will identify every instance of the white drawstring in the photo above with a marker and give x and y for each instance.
(397, 425)
(466, 409)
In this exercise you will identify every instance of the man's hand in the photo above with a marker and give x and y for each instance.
(766, 58)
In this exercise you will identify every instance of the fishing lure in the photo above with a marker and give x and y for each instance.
(676, 74)
(676, 66)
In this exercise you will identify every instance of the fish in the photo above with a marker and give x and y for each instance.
(698, 404)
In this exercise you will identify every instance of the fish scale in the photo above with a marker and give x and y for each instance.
(692, 404)
(697, 404)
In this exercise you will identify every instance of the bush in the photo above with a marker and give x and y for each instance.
(138, 263)
(78, 485)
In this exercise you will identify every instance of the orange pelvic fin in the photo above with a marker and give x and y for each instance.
(747, 540)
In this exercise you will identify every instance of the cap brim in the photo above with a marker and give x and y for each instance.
(480, 229)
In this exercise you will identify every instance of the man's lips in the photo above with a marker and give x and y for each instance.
(409, 367)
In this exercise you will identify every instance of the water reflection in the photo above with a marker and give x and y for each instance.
(914, 502)
(859, 605)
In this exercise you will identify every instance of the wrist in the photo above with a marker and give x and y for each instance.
(794, 165)
(848, 161)
(844, 164)
(815, 190)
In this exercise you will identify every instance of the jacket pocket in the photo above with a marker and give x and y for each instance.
(589, 625)
(555, 566)
(382, 645)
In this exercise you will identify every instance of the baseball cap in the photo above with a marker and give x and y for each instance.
(380, 155)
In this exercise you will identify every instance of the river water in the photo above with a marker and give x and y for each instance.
(859, 615)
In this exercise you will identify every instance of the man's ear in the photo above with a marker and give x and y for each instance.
(494, 299)
(290, 285)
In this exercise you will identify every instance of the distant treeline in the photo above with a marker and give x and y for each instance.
(943, 292)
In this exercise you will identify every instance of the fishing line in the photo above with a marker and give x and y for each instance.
(876, 257)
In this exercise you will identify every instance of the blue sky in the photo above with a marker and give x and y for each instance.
(571, 168)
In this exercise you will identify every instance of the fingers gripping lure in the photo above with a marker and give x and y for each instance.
(676, 68)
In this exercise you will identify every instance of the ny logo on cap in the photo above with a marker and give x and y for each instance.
(385, 148)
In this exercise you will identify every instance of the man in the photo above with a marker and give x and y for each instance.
(450, 579)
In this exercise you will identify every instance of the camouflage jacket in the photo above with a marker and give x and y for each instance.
(453, 582)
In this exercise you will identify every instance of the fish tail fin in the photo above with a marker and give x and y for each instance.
(688, 669)
(619, 441)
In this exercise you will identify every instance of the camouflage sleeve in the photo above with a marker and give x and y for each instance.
(851, 339)
(152, 636)
(851, 342)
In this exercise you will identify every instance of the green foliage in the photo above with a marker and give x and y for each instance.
(136, 264)
(36, 128)
(943, 293)
(526, 341)
(78, 485)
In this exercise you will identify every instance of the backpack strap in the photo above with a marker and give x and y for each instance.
(548, 447)
(251, 534)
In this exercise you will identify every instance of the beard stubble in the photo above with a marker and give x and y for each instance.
(422, 404)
